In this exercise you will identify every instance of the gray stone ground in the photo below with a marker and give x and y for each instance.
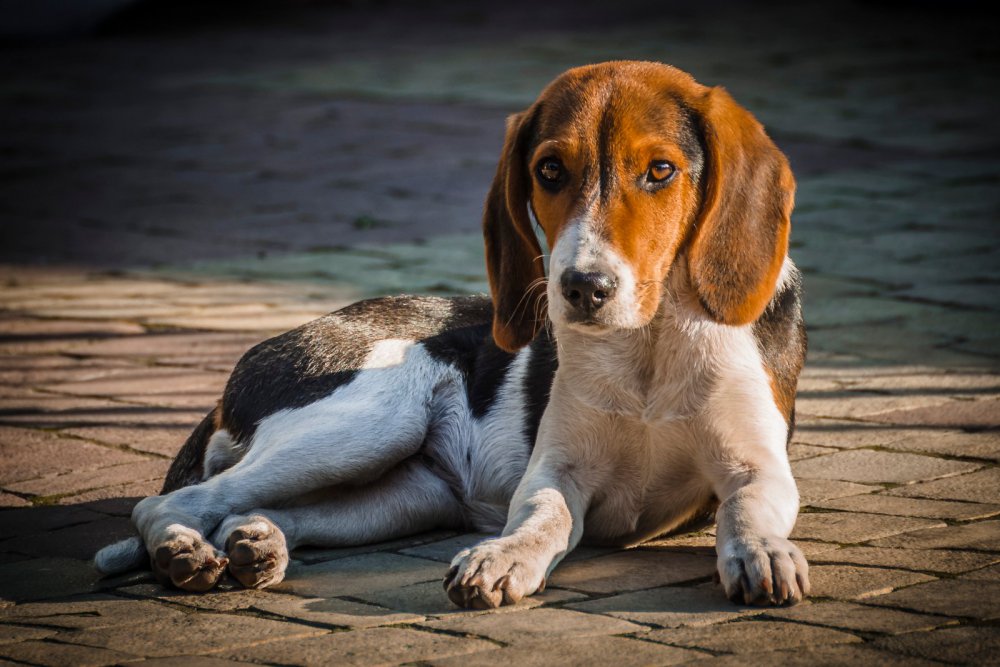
(170, 197)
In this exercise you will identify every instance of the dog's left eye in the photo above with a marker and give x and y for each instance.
(550, 170)
(660, 171)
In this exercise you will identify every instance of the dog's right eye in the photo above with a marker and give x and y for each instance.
(550, 171)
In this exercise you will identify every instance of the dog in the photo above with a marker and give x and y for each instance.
(649, 380)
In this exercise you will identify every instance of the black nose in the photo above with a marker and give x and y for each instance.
(587, 291)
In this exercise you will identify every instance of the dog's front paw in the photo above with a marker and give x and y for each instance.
(188, 562)
(258, 554)
(763, 570)
(490, 574)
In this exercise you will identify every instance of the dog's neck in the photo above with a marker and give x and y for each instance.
(647, 372)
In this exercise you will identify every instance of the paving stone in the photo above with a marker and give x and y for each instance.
(531, 625)
(982, 536)
(948, 597)
(581, 652)
(228, 595)
(88, 612)
(918, 507)
(332, 611)
(845, 582)
(193, 634)
(669, 606)
(28, 454)
(813, 490)
(970, 415)
(859, 618)
(984, 445)
(359, 575)
(809, 656)
(10, 500)
(375, 646)
(41, 578)
(844, 434)
(58, 654)
(191, 661)
(924, 560)
(133, 492)
(80, 542)
(17, 522)
(853, 527)
(445, 550)
(798, 452)
(982, 486)
(11, 634)
(985, 574)
(863, 465)
(963, 645)
(429, 598)
(632, 570)
(76, 482)
(165, 440)
(310, 555)
(750, 636)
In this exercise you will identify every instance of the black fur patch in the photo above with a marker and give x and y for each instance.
(306, 364)
(781, 338)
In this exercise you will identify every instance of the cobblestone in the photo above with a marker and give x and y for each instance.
(170, 197)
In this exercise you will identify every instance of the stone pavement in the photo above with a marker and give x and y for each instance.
(170, 197)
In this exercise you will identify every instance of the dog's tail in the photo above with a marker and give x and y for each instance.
(129, 554)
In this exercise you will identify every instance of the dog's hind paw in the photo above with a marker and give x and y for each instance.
(188, 562)
(258, 553)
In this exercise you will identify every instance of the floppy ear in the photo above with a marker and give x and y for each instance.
(513, 256)
(741, 233)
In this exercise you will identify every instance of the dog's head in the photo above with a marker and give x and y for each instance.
(627, 166)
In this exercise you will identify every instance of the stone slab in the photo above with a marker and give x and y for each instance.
(964, 645)
(751, 636)
(985, 445)
(88, 612)
(28, 454)
(334, 612)
(580, 652)
(947, 597)
(358, 575)
(669, 606)
(534, 625)
(375, 646)
(981, 535)
(41, 578)
(875, 467)
(859, 618)
(970, 415)
(52, 654)
(982, 486)
(813, 490)
(429, 599)
(906, 506)
(945, 561)
(73, 483)
(194, 633)
(854, 527)
(810, 656)
(847, 582)
(632, 570)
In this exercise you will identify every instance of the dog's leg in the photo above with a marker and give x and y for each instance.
(752, 478)
(408, 499)
(545, 522)
(353, 436)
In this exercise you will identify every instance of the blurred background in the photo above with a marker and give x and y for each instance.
(349, 144)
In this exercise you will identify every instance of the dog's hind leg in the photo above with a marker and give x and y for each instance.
(353, 436)
(408, 499)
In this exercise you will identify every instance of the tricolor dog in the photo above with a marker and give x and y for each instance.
(646, 379)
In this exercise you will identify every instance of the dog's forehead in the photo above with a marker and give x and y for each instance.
(623, 102)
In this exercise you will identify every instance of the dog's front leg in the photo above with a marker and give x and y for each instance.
(756, 560)
(544, 523)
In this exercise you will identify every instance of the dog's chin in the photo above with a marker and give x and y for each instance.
(598, 327)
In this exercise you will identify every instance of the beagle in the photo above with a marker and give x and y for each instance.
(649, 380)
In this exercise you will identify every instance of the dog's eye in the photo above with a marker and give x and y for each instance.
(660, 171)
(550, 170)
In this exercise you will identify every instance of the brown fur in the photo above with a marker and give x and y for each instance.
(730, 215)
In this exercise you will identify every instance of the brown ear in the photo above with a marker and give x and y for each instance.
(514, 263)
(741, 234)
